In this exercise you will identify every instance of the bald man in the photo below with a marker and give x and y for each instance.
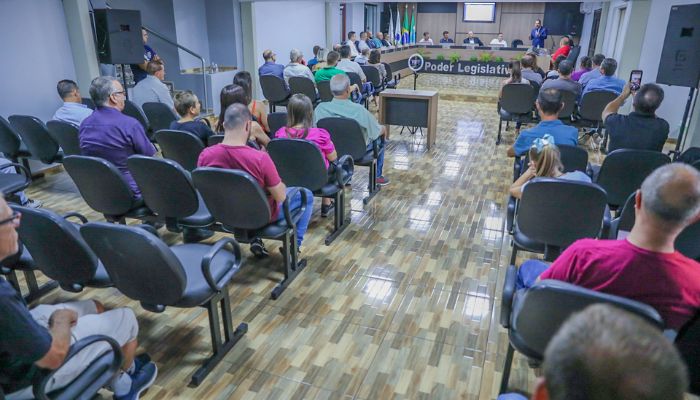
(644, 266)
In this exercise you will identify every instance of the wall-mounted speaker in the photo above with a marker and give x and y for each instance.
(118, 34)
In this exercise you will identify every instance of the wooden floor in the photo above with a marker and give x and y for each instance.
(404, 304)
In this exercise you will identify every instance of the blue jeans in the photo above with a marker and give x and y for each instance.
(511, 396)
(380, 158)
(529, 272)
(294, 204)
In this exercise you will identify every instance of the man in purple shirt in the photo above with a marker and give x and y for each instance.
(111, 135)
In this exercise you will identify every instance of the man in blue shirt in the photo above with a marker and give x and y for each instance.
(538, 34)
(548, 105)
(270, 67)
(607, 82)
(593, 73)
(73, 110)
(139, 70)
(446, 38)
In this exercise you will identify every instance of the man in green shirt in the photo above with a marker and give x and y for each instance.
(341, 106)
(330, 70)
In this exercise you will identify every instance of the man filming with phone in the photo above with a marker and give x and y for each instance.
(641, 129)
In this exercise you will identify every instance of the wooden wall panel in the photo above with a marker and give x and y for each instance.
(435, 24)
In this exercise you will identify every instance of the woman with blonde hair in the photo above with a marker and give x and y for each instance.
(545, 162)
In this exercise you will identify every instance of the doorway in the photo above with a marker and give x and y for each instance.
(371, 17)
(594, 32)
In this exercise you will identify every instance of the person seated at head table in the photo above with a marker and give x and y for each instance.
(188, 107)
(73, 111)
(426, 38)
(257, 108)
(380, 40)
(563, 81)
(236, 94)
(585, 66)
(151, 89)
(472, 40)
(446, 38)
(296, 67)
(499, 41)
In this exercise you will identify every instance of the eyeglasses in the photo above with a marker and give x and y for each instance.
(14, 219)
(120, 92)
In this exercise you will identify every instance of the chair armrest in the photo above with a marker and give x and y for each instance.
(375, 147)
(39, 388)
(149, 229)
(517, 167)
(24, 171)
(285, 206)
(77, 215)
(510, 213)
(338, 165)
(206, 261)
(507, 295)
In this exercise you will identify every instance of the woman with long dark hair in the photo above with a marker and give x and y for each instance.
(235, 94)
(256, 108)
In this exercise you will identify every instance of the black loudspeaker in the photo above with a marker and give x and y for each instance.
(563, 18)
(119, 36)
(680, 57)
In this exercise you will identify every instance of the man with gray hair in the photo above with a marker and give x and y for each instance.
(111, 135)
(644, 266)
(342, 106)
(296, 67)
(73, 110)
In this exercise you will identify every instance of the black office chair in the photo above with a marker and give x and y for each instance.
(624, 220)
(516, 43)
(688, 344)
(275, 121)
(180, 146)
(553, 213)
(37, 138)
(624, 170)
(690, 156)
(159, 115)
(23, 262)
(305, 86)
(324, 91)
(238, 203)
(275, 91)
(215, 139)
(372, 74)
(569, 100)
(11, 184)
(134, 111)
(88, 102)
(300, 163)
(591, 108)
(168, 190)
(573, 54)
(68, 260)
(11, 144)
(533, 316)
(66, 135)
(356, 80)
(346, 135)
(183, 276)
(515, 105)
(391, 81)
(104, 189)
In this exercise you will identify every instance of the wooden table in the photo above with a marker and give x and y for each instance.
(412, 108)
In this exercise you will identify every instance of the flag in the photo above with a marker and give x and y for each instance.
(390, 39)
(413, 25)
(397, 28)
(406, 28)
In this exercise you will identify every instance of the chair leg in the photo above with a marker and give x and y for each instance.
(221, 348)
(373, 187)
(506, 369)
(36, 291)
(292, 265)
(25, 162)
(498, 138)
(12, 278)
(340, 222)
(514, 254)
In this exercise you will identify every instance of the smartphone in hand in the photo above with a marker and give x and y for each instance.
(635, 79)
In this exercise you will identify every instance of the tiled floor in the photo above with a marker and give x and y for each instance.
(403, 304)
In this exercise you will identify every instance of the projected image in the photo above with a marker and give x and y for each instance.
(479, 12)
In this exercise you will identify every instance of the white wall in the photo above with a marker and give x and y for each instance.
(191, 31)
(355, 18)
(31, 67)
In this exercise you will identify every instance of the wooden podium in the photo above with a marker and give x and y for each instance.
(411, 108)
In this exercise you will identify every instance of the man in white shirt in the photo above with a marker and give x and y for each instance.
(362, 44)
(151, 89)
(499, 41)
(426, 38)
(295, 67)
(347, 65)
(351, 43)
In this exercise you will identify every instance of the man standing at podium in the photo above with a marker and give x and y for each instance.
(538, 34)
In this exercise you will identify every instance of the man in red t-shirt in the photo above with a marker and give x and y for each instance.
(644, 266)
(234, 153)
(563, 50)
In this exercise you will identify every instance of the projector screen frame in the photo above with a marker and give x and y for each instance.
(493, 11)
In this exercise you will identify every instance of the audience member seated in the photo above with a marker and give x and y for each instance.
(535, 67)
(40, 339)
(641, 129)
(426, 38)
(528, 63)
(375, 60)
(111, 135)
(644, 266)
(564, 48)
(499, 41)
(314, 60)
(352, 38)
(188, 107)
(341, 106)
(270, 67)
(548, 105)
(446, 38)
(233, 153)
(585, 65)
(300, 121)
(545, 162)
(563, 82)
(473, 40)
(606, 82)
(594, 73)
(257, 108)
(296, 67)
(236, 94)
(605, 353)
(554, 73)
(348, 65)
(151, 89)
(73, 110)
(362, 44)
(363, 58)
(331, 69)
(515, 77)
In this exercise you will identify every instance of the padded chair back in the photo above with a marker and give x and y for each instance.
(569, 100)
(624, 170)
(545, 306)
(696, 164)
(593, 104)
(688, 344)
(346, 135)
(573, 158)
(180, 146)
(573, 54)
(690, 155)
(273, 88)
(165, 186)
(215, 139)
(516, 43)
(625, 221)
(324, 90)
(299, 163)
(37, 138)
(68, 259)
(688, 242)
(88, 102)
(101, 184)
(10, 141)
(159, 115)
(389, 72)
(233, 197)
(372, 74)
(66, 135)
(275, 121)
(155, 277)
(517, 98)
(305, 86)
(355, 79)
(558, 212)
(134, 111)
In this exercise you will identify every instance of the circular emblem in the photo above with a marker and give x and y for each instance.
(415, 62)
